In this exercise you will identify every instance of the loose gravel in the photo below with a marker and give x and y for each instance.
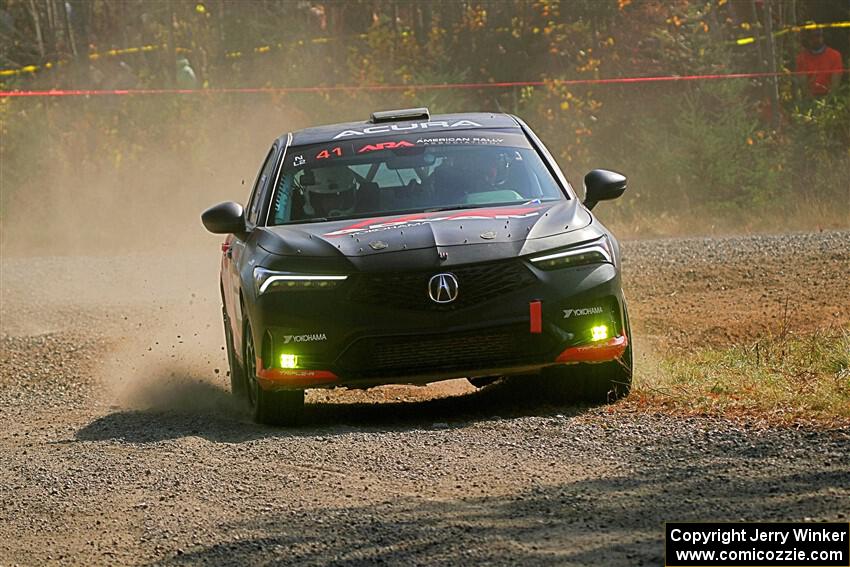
(122, 446)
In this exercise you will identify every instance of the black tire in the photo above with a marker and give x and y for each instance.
(269, 407)
(600, 383)
(238, 385)
(483, 381)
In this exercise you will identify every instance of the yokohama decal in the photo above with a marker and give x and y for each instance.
(582, 311)
(304, 338)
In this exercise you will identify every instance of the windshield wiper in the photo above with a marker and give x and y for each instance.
(455, 208)
(317, 219)
(479, 206)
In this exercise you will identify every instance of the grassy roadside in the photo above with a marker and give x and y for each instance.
(786, 379)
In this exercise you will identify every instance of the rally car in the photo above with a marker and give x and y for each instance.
(414, 248)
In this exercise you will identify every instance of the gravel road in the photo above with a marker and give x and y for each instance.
(122, 446)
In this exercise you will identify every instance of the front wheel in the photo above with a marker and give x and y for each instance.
(590, 383)
(269, 407)
(238, 385)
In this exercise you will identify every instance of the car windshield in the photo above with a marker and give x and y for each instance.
(401, 174)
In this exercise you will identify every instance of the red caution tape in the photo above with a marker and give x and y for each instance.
(438, 86)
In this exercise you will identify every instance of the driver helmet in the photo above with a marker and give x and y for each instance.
(332, 194)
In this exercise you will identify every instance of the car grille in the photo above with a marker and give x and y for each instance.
(477, 283)
(411, 354)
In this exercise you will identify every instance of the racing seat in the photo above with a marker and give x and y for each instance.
(448, 183)
(368, 198)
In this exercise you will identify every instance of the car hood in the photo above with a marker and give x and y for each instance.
(463, 235)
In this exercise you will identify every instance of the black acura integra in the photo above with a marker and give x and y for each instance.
(415, 248)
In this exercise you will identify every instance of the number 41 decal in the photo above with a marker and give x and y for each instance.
(324, 154)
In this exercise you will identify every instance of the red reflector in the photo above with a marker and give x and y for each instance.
(535, 312)
(225, 246)
(611, 349)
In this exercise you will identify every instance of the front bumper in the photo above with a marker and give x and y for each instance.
(343, 338)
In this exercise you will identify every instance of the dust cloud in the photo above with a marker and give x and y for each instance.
(74, 185)
(109, 243)
(109, 240)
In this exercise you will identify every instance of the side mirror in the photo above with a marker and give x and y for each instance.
(224, 218)
(602, 185)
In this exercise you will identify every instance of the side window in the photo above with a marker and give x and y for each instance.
(257, 193)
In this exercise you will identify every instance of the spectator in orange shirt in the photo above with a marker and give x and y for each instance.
(821, 62)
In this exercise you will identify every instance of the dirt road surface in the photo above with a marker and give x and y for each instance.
(121, 445)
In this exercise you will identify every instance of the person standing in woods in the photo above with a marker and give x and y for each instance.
(821, 63)
(185, 75)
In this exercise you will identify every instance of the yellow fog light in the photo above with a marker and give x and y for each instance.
(288, 361)
(599, 332)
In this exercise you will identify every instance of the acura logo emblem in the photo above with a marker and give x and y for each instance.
(443, 288)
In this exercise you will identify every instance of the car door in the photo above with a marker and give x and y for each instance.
(234, 256)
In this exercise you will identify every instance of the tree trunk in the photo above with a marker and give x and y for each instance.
(69, 29)
(37, 21)
(771, 54)
(757, 33)
(171, 62)
(50, 30)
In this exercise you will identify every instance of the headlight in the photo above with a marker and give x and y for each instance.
(270, 280)
(595, 252)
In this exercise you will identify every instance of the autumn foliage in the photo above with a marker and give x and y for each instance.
(726, 152)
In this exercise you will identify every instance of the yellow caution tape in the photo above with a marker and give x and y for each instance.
(748, 40)
(31, 69)
(147, 48)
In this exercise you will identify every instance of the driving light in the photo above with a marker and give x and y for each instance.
(596, 252)
(269, 280)
(599, 333)
(288, 360)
